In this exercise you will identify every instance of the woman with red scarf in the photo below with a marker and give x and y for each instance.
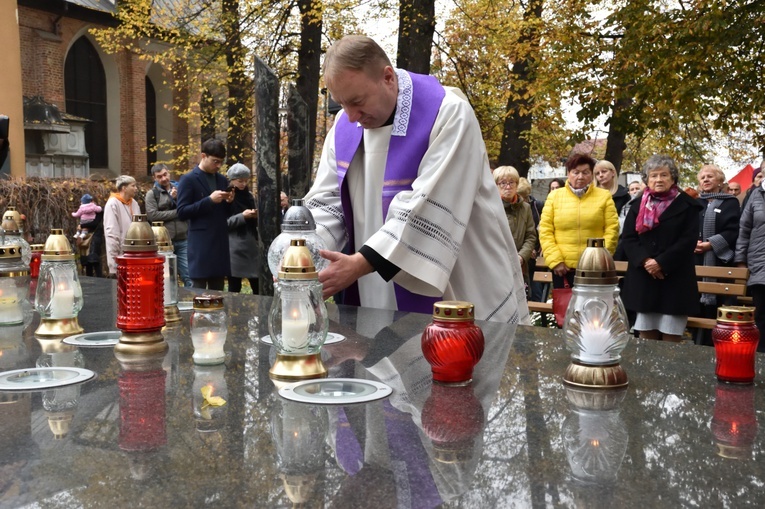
(659, 239)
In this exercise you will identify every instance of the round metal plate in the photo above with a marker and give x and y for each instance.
(335, 391)
(35, 379)
(332, 337)
(95, 339)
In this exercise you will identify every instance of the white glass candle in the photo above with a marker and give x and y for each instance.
(208, 346)
(62, 302)
(294, 325)
(10, 307)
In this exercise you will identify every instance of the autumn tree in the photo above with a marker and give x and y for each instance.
(416, 25)
(496, 52)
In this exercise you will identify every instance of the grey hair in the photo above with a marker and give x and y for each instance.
(660, 161)
(157, 168)
(124, 180)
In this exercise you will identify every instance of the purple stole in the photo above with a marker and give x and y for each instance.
(404, 156)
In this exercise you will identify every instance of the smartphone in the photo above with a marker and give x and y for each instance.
(230, 189)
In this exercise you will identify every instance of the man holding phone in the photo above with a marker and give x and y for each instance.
(204, 201)
(162, 205)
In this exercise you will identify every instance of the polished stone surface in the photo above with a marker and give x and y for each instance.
(140, 434)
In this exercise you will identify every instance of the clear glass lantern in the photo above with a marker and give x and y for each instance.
(14, 236)
(298, 322)
(170, 273)
(298, 223)
(595, 328)
(209, 329)
(58, 296)
(14, 285)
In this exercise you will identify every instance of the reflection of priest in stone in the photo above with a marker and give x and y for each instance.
(404, 184)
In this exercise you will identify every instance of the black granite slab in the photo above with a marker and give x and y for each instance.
(516, 437)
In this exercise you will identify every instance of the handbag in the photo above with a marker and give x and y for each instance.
(83, 244)
(560, 300)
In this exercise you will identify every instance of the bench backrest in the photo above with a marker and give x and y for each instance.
(730, 280)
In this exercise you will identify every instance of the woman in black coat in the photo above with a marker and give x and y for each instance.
(659, 238)
(717, 235)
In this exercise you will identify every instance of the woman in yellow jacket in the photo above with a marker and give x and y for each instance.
(571, 215)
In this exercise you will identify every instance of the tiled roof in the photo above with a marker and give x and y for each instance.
(97, 5)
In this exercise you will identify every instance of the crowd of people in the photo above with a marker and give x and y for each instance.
(400, 237)
(661, 231)
(211, 220)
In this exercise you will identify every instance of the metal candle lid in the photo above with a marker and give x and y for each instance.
(208, 302)
(37, 248)
(298, 218)
(10, 225)
(57, 247)
(596, 265)
(139, 237)
(162, 236)
(11, 211)
(735, 314)
(12, 266)
(454, 310)
(297, 263)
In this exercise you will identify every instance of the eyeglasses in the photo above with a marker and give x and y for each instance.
(507, 183)
(215, 160)
(577, 173)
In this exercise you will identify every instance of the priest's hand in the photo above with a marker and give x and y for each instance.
(343, 270)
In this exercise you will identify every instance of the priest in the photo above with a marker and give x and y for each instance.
(404, 195)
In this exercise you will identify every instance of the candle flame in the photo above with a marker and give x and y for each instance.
(595, 442)
(209, 337)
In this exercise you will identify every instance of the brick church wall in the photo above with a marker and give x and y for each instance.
(45, 40)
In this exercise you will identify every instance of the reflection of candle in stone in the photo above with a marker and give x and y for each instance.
(294, 329)
(10, 307)
(62, 303)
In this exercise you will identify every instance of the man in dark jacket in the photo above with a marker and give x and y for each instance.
(161, 205)
(203, 201)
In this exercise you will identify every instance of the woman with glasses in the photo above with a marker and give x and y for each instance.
(519, 216)
(573, 214)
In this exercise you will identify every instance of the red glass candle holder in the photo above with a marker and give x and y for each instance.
(453, 343)
(142, 410)
(140, 292)
(35, 260)
(140, 281)
(735, 338)
(734, 422)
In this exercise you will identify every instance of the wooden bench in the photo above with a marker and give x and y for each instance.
(730, 281)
